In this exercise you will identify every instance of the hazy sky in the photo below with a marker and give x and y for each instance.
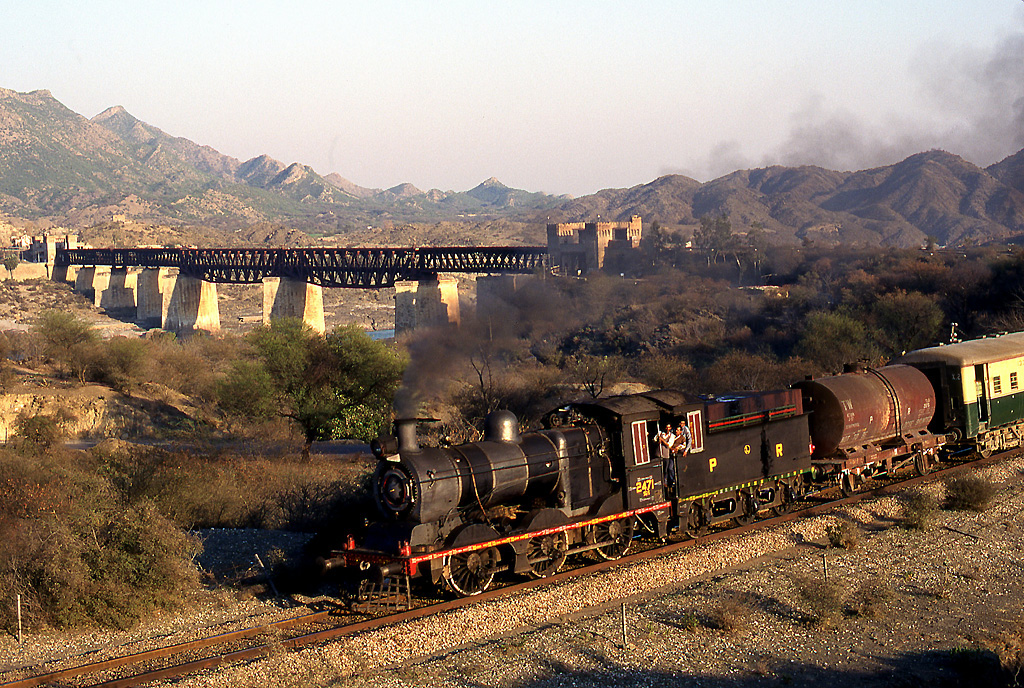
(563, 97)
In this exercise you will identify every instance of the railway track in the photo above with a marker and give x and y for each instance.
(311, 629)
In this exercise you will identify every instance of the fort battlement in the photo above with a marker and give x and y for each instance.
(576, 248)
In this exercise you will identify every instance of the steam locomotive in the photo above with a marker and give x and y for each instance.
(589, 480)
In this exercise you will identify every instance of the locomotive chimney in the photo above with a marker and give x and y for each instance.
(405, 428)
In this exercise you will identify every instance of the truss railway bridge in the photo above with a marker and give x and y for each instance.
(175, 288)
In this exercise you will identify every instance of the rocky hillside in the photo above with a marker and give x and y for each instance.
(934, 194)
(59, 167)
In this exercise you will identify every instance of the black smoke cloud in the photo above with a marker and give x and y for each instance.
(972, 104)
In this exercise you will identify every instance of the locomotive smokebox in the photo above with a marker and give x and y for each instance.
(864, 407)
(405, 428)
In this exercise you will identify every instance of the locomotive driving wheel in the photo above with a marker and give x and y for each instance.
(546, 552)
(614, 537)
(471, 572)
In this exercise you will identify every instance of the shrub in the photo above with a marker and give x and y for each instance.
(123, 363)
(75, 553)
(38, 432)
(969, 493)
(870, 598)
(822, 599)
(919, 508)
(843, 535)
(730, 615)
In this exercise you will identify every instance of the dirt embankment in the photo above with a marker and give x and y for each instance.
(97, 412)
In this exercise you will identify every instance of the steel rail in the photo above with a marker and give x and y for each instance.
(459, 603)
(167, 651)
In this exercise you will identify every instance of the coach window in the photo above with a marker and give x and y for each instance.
(1013, 380)
(997, 385)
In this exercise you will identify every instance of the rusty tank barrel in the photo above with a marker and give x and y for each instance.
(872, 406)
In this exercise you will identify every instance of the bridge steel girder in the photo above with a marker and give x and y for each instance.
(359, 268)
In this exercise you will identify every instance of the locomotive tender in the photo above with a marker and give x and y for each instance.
(590, 480)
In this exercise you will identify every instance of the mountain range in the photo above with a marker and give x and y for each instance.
(58, 167)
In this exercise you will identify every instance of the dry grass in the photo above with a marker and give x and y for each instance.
(230, 490)
(969, 493)
(919, 509)
(870, 598)
(822, 600)
(843, 535)
(1008, 645)
(731, 615)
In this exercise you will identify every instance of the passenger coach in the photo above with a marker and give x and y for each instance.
(979, 386)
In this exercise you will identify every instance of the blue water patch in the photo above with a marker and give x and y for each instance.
(381, 334)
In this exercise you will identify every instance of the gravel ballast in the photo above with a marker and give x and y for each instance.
(913, 606)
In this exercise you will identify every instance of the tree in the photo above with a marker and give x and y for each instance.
(907, 321)
(713, 237)
(369, 373)
(247, 391)
(757, 246)
(593, 373)
(834, 339)
(336, 386)
(70, 342)
(10, 263)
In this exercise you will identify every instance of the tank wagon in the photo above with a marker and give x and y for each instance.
(869, 421)
(980, 387)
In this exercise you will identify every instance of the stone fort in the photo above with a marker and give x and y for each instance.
(576, 248)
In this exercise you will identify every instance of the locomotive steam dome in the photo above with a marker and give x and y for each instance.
(501, 426)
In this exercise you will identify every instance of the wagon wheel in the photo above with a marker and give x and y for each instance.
(614, 537)
(696, 523)
(471, 572)
(922, 463)
(849, 483)
(546, 553)
(785, 494)
(748, 509)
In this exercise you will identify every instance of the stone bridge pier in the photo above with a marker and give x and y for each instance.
(164, 298)
(289, 298)
(428, 302)
(176, 302)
